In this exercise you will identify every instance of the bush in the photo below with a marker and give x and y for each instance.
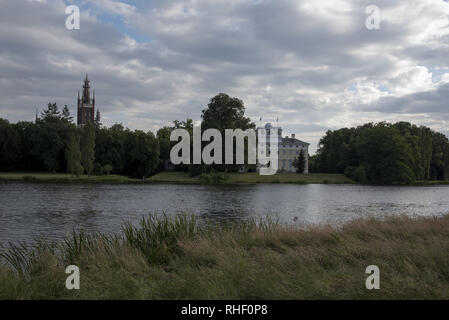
(98, 169)
(214, 177)
(349, 172)
(107, 169)
(360, 174)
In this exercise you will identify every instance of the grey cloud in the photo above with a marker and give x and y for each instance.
(238, 47)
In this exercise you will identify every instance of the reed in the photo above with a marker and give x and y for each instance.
(181, 257)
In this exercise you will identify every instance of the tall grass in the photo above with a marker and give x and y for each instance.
(180, 257)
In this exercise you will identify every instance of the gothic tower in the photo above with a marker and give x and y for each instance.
(86, 106)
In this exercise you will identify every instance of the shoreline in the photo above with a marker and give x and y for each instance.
(184, 178)
(176, 178)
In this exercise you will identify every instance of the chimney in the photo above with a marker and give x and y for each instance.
(293, 136)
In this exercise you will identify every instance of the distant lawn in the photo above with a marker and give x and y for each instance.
(62, 177)
(176, 177)
(253, 177)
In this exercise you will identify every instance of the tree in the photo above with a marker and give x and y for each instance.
(300, 162)
(97, 120)
(142, 154)
(107, 168)
(66, 117)
(73, 155)
(224, 112)
(51, 114)
(88, 148)
(9, 146)
(378, 153)
(165, 145)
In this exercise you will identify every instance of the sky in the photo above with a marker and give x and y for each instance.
(313, 65)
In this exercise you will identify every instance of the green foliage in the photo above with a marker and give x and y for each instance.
(97, 121)
(214, 177)
(157, 235)
(98, 169)
(73, 155)
(10, 142)
(107, 169)
(224, 112)
(142, 154)
(88, 148)
(384, 153)
(165, 145)
(300, 162)
(66, 117)
(360, 174)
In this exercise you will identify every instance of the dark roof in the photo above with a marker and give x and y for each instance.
(293, 141)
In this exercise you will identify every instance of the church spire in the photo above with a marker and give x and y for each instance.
(86, 91)
(86, 105)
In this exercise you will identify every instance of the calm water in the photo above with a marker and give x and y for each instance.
(30, 211)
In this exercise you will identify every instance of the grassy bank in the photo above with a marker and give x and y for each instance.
(175, 177)
(178, 259)
(253, 177)
(62, 177)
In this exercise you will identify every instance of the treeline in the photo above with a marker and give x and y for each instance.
(373, 153)
(53, 143)
(384, 153)
(222, 112)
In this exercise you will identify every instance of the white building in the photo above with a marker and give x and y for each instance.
(289, 149)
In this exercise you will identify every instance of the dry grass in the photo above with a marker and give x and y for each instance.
(166, 259)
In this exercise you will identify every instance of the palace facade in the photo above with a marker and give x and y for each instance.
(289, 148)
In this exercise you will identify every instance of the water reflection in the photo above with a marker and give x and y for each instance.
(29, 211)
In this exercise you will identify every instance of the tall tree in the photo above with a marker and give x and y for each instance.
(9, 146)
(73, 155)
(165, 145)
(142, 154)
(66, 117)
(88, 148)
(224, 112)
(300, 162)
(97, 120)
(52, 113)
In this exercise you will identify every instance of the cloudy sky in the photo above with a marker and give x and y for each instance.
(312, 64)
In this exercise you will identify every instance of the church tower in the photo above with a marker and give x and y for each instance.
(86, 106)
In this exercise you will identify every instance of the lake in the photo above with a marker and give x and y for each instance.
(32, 210)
